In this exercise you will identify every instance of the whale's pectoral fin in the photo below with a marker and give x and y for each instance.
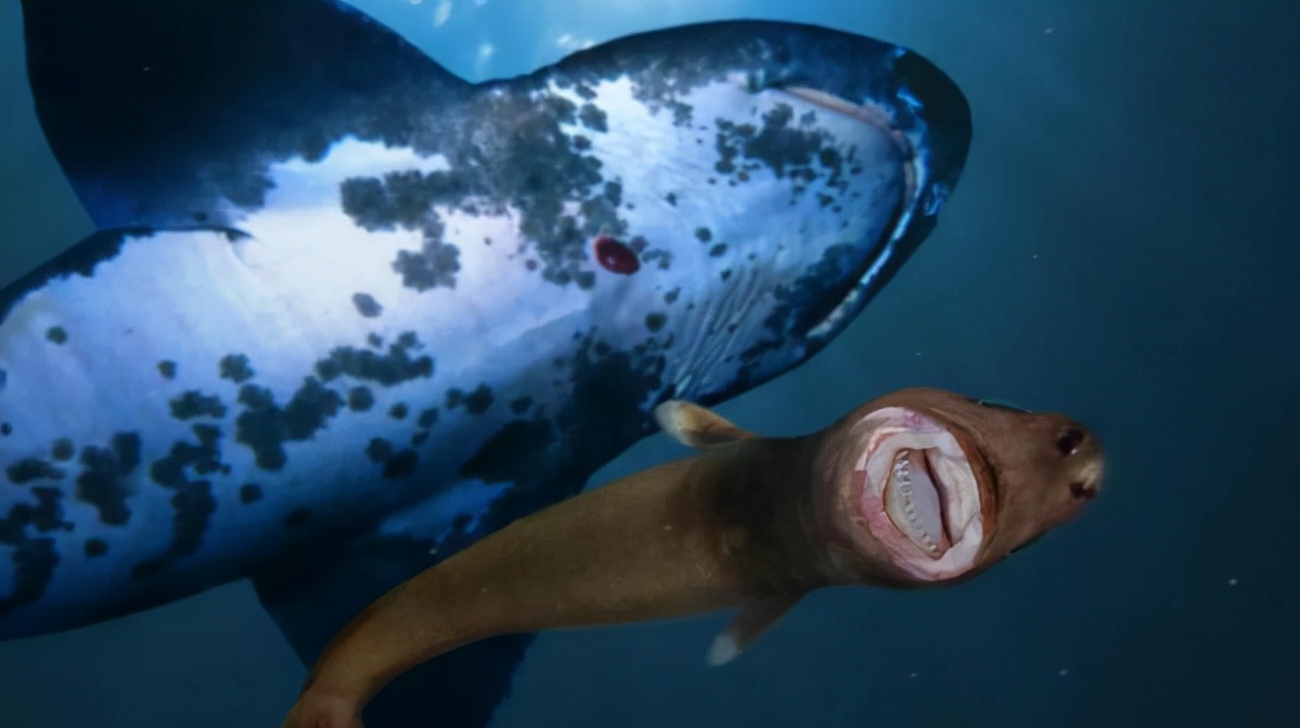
(696, 426)
(311, 598)
(190, 101)
(748, 625)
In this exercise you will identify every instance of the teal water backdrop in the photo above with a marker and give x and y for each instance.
(1123, 246)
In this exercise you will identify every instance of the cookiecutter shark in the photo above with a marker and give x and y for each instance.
(918, 488)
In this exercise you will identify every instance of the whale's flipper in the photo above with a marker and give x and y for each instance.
(215, 90)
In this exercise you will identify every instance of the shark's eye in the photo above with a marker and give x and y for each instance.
(1069, 441)
(615, 257)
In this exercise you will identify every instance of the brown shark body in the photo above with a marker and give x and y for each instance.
(917, 488)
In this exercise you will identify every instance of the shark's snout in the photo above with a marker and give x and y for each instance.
(1080, 450)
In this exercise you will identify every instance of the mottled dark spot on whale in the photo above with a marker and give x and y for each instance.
(192, 500)
(781, 146)
(521, 405)
(235, 367)
(407, 198)
(193, 404)
(45, 516)
(202, 458)
(379, 450)
(682, 113)
(366, 305)
(401, 465)
(250, 493)
(102, 482)
(395, 367)
(476, 402)
(167, 369)
(375, 340)
(671, 296)
(95, 547)
(704, 234)
(427, 417)
(499, 458)
(367, 202)
(265, 427)
(194, 506)
(613, 195)
(655, 321)
(28, 469)
(717, 250)
(663, 257)
(581, 143)
(360, 399)
(593, 118)
(56, 334)
(422, 272)
(435, 265)
(615, 257)
(34, 560)
(6, 428)
(398, 411)
(297, 517)
(727, 152)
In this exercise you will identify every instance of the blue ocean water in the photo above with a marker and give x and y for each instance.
(1123, 246)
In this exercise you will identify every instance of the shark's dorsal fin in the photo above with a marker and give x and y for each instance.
(748, 625)
(696, 426)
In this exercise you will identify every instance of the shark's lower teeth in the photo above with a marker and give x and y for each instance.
(913, 505)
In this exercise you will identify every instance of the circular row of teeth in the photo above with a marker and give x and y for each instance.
(902, 479)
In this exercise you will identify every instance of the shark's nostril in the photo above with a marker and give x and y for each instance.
(1069, 441)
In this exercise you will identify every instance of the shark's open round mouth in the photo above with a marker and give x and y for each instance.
(919, 495)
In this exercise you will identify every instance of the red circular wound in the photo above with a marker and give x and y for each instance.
(616, 257)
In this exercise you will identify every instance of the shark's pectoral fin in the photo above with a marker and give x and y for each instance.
(696, 426)
(749, 624)
(311, 598)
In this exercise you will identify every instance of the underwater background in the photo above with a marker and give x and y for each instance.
(1124, 246)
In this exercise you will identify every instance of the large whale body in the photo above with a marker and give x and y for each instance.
(347, 313)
